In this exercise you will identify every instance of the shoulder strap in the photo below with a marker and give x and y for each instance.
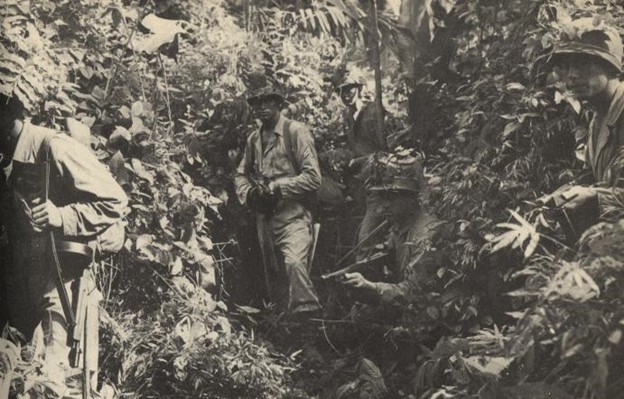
(62, 290)
(288, 144)
(45, 147)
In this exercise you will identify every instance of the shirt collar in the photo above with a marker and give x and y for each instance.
(617, 106)
(28, 144)
(279, 126)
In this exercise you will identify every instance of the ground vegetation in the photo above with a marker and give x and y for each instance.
(156, 89)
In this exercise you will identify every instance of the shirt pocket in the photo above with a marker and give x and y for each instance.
(280, 162)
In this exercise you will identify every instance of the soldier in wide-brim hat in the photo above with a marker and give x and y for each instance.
(278, 173)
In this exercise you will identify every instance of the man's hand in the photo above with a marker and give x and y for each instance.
(45, 216)
(577, 196)
(262, 201)
(356, 280)
(275, 190)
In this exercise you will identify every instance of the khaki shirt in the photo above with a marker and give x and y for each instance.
(272, 163)
(88, 197)
(361, 130)
(606, 137)
(415, 265)
(605, 153)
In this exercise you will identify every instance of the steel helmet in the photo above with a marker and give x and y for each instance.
(600, 41)
(397, 172)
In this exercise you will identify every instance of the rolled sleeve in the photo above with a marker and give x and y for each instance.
(70, 221)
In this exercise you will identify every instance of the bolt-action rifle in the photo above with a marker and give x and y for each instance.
(80, 288)
(353, 267)
(75, 316)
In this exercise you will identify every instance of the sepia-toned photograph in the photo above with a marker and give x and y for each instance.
(311, 199)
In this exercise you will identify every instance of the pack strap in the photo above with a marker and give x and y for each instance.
(289, 146)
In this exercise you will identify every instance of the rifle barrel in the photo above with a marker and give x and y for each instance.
(354, 266)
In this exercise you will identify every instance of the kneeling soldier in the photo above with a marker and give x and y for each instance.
(413, 260)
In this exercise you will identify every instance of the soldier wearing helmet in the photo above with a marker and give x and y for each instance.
(363, 140)
(590, 60)
(398, 179)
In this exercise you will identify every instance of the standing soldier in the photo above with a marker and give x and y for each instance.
(363, 140)
(276, 178)
(60, 200)
(359, 119)
(414, 260)
(591, 62)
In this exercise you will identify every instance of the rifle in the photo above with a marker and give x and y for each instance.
(75, 316)
(355, 266)
(77, 334)
(555, 199)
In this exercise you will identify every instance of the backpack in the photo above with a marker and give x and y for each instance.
(110, 240)
(328, 194)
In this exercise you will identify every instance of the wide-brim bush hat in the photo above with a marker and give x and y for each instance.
(587, 37)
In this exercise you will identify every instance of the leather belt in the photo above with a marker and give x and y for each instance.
(75, 248)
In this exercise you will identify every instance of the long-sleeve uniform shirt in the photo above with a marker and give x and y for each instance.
(91, 205)
(88, 197)
(273, 164)
(288, 232)
(415, 260)
(364, 140)
(605, 152)
(361, 130)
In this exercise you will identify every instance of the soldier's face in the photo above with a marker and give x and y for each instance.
(400, 204)
(348, 94)
(267, 110)
(584, 76)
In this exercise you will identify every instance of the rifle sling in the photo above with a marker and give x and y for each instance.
(60, 282)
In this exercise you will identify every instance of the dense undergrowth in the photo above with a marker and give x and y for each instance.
(520, 312)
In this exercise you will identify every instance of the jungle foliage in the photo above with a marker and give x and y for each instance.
(156, 90)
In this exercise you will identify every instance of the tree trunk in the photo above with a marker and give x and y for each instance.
(374, 43)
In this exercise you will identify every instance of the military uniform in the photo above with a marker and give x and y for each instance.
(604, 154)
(415, 260)
(363, 140)
(286, 235)
(361, 130)
(91, 204)
(397, 179)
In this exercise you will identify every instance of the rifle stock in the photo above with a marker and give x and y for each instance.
(355, 266)
(78, 329)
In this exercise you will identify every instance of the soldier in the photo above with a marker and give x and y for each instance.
(411, 232)
(363, 140)
(277, 176)
(359, 119)
(591, 63)
(53, 184)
